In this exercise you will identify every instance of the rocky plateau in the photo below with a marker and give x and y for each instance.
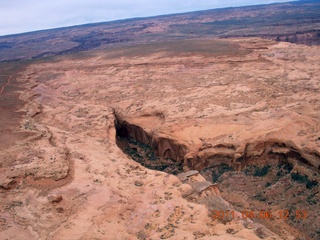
(235, 121)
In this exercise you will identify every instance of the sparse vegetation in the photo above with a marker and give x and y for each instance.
(247, 81)
(144, 154)
(304, 180)
(311, 184)
(268, 184)
(168, 231)
(260, 197)
(311, 199)
(288, 167)
(257, 171)
(141, 235)
(260, 233)
(216, 173)
(230, 231)
(284, 169)
(261, 172)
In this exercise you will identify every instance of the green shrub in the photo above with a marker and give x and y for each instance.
(256, 170)
(311, 184)
(311, 199)
(288, 167)
(304, 180)
(216, 173)
(260, 172)
(284, 169)
(268, 184)
(299, 178)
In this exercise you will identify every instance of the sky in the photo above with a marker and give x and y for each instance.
(17, 16)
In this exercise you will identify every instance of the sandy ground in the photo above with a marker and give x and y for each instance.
(69, 180)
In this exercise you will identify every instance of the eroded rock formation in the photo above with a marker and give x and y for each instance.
(234, 154)
(241, 103)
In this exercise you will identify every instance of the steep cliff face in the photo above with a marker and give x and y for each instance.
(251, 175)
(307, 38)
(216, 112)
(235, 155)
(163, 147)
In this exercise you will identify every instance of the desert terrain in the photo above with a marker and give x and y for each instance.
(202, 125)
(148, 141)
(295, 22)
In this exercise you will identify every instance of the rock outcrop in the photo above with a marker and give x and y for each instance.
(241, 104)
(234, 154)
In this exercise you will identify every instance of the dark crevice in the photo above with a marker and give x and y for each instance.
(171, 156)
(265, 172)
(145, 155)
(154, 153)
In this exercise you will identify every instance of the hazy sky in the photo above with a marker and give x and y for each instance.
(18, 16)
